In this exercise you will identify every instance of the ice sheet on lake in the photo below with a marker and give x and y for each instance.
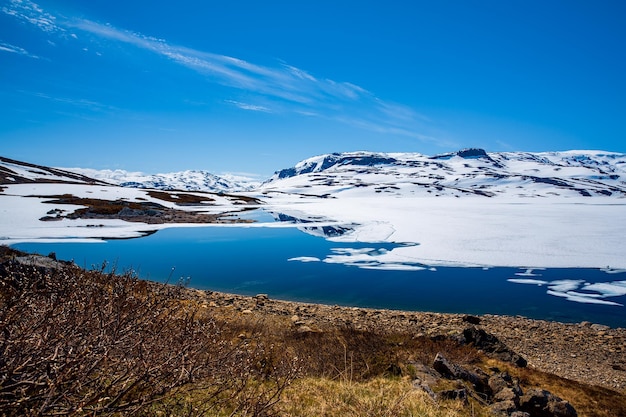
(579, 291)
(370, 258)
(482, 232)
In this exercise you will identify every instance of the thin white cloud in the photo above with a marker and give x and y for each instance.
(30, 12)
(5, 47)
(281, 88)
(248, 106)
(74, 102)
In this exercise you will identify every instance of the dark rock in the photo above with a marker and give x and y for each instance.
(507, 394)
(425, 387)
(471, 319)
(454, 371)
(542, 403)
(492, 345)
(502, 381)
(128, 212)
(503, 408)
(454, 394)
(562, 409)
(520, 414)
(499, 382)
(444, 367)
(472, 153)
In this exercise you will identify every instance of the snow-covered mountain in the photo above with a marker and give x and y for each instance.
(17, 172)
(189, 180)
(463, 173)
(466, 172)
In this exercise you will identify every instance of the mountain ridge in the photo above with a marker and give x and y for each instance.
(471, 171)
(468, 171)
(188, 180)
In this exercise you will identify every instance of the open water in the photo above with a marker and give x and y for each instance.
(253, 260)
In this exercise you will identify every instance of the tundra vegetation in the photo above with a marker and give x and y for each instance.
(95, 342)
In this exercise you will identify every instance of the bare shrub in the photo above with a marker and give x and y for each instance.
(89, 343)
(344, 352)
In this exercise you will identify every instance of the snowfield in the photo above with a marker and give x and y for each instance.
(469, 208)
(22, 205)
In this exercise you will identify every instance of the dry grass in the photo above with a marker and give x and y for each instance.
(393, 397)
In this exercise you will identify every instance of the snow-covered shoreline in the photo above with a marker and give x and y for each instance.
(469, 208)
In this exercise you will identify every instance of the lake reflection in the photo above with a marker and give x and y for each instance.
(286, 263)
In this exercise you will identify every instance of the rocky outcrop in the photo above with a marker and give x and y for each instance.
(501, 391)
(490, 344)
(477, 379)
(542, 403)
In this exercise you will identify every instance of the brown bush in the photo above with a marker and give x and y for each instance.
(90, 343)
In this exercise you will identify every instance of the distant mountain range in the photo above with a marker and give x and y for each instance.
(189, 180)
(466, 172)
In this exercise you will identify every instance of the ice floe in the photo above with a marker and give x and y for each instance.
(305, 259)
(580, 291)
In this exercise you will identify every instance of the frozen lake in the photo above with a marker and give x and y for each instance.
(286, 263)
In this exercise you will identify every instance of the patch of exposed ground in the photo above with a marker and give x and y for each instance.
(588, 353)
(143, 211)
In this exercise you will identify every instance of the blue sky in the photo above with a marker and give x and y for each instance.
(253, 87)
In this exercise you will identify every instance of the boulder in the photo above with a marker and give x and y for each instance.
(503, 408)
(491, 345)
(542, 403)
(471, 319)
(454, 371)
(500, 381)
(506, 394)
(503, 382)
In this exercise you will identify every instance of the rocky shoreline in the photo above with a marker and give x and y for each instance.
(584, 352)
(573, 367)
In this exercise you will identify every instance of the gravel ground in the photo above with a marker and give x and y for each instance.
(584, 352)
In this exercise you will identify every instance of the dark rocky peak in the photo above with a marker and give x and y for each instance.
(324, 162)
(472, 153)
(367, 160)
(467, 153)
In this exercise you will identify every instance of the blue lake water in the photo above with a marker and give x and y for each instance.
(256, 260)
